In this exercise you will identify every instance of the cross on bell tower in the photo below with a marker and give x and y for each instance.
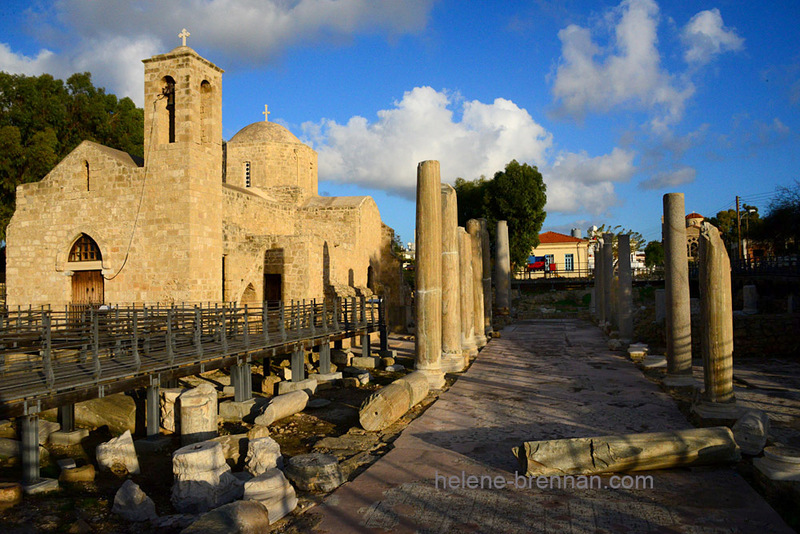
(266, 113)
(183, 35)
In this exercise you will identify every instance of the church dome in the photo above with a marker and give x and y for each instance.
(264, 132)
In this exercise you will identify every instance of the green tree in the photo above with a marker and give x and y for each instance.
(42, 119)
(781, 225)
(654, 254)
(636, 239)
(516, 195)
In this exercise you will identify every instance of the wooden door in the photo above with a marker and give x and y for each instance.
(273, 287)
(87, 288)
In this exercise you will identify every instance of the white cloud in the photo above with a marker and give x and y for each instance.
(628, 72)
(112, 36)
(576, 182)
(706, 36)
(384, 154)
(663, 180)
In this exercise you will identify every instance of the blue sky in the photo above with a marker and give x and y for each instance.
(616, 103)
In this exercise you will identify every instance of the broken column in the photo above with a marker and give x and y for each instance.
(452, 354)
(486, 258)
(428, 293)
(608, 275)
(198, 414)
(202, 478)
(676, 282)
(503, 269)
(468, 345)
(625, 289)
(389, 404)
(283, 406)
(716, 332)
(474, 229)
(630, 452)
(600, 307)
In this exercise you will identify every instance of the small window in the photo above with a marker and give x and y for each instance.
(85, 249)
(569, 262)
(86, 168)
(247, 174)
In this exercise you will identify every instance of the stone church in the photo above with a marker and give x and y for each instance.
(199, 220)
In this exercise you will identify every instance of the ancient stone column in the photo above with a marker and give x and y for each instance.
(428, 294)
(502, 269)
(452, 353)
(716, 333)
(474, 229)
(468, 346)
(600, 306)
(676, 281)
(486, 258)
(625, 289)
(608, 274)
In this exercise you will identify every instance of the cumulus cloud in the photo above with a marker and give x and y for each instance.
(663, 180)
(627, 72)
(577, 182)
(239, 31)
(706, 36)
(384, 154)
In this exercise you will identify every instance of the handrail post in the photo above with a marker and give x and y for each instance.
(224, 332)
(265, 323)
(137, 360)
(96, 345)
(246, 330)
(47, 351)
(282, 321)
(314, 318)
(198, 332)
(168, 339)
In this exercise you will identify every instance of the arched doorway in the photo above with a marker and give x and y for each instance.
(273, 275)
(85, 261)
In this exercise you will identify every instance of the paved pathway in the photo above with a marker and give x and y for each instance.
(543, 379)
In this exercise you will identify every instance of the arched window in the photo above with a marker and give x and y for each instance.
(205, 111)
(85, 249)
(168, 94)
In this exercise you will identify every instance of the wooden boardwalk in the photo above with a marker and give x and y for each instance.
(51, 358)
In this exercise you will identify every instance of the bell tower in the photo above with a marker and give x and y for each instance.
(183, 170)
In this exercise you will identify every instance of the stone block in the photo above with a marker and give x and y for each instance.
(234, 447)
(268, 384)
(42, 485)
(341, 357)
(66, 439)
(286, 373)
(198, 409)
(118, 455)
(132, 504)
(234, 412)
(387, 361)
(351, 382)
(364, 378)
(263, 454)
(309, 385)
(202, 478)
(273, 490)
(170, 416)
(46, 429)
(391, 353)
(395, 368)
(83, 473)
(314, 472)
(751, 431)
(366, 362)
(66, 463)
(258, 431)
(240, 517)
(10, 494)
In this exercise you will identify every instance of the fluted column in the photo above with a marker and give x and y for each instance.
(452, 353)
(468, 345)
(502, 270)
(608, 274)
(716, 335)
(474, 229)
(486, 258)
(624, 288)
(676, 282)
(428, 301)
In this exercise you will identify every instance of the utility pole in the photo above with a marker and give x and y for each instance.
(739, 226)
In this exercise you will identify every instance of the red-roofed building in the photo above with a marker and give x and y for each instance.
(563, 255)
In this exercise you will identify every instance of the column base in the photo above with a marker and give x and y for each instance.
(453, 362)
(679, 381)
(654, 361)
(480, 341)
(435, 377)
(717, 413)
(69, 438)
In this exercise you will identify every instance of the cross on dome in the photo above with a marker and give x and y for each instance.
(266, 113)
(183, 35)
